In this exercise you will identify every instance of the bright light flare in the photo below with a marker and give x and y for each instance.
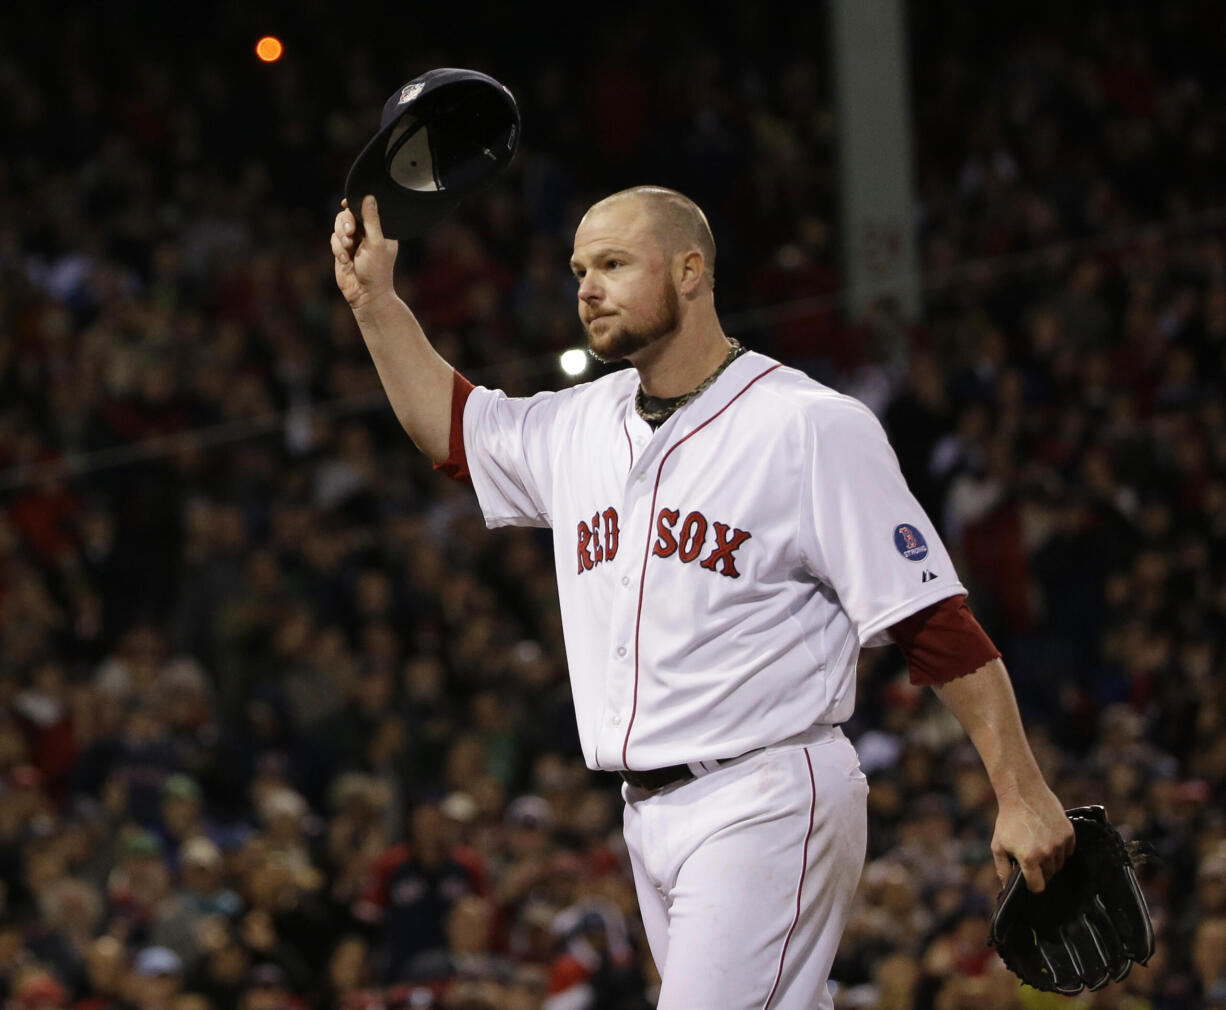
(269, 49)
(574, 361)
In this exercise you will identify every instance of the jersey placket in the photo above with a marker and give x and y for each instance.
(635, 510)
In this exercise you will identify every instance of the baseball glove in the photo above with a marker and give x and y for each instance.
(1090, 923)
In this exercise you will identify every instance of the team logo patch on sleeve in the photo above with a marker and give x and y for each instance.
(910, 542)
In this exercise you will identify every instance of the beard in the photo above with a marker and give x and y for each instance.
(622, 339)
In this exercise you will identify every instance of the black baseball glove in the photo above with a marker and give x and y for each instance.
(1089, 924)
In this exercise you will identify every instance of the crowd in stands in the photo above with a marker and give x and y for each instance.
(283, 727)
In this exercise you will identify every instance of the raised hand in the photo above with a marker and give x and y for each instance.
(363, 262)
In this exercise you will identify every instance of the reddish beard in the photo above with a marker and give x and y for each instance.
(623, 340)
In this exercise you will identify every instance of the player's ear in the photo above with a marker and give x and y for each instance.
(689, 272)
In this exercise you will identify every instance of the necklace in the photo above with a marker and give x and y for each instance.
(655, 410)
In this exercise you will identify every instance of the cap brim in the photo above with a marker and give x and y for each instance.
(401, 214)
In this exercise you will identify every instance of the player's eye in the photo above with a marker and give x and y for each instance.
(613, 264)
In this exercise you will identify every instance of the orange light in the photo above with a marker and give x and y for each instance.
(269, 49)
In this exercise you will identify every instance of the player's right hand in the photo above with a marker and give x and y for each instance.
(363, 262)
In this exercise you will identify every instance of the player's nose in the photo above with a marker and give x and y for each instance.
(590, 290)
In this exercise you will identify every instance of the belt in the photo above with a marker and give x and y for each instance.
(658, 778)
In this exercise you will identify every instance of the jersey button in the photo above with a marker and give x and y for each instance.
(616, 720)
(621, 651)
(625, 580)
(640, 478)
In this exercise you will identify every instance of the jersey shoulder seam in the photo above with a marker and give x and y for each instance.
(804, 393)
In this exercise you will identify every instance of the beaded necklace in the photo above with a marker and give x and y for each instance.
(655, 410)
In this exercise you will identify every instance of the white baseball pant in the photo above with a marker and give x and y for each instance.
(745, 874)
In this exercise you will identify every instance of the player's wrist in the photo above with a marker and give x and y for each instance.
(1020, 786)
(370, 306)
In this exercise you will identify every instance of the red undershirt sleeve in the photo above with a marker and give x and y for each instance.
(943, 642)
(456, 463)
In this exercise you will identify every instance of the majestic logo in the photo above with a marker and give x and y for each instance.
(691, 537)
(910, 542)
(409, 92)
(593, 548)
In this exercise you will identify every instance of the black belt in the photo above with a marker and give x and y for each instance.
(658, 778)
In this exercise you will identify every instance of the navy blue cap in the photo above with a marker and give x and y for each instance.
(442, 137)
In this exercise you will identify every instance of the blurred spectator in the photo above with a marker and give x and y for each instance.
(469, 947)
(596, 967)
(157, 978)
(1209, 959)
(413, 887)
(39, 991)
(348, 971)
(266, 988)
(106, 975)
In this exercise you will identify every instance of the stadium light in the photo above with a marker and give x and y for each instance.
(574, 361)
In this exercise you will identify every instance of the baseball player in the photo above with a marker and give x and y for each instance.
(728, 535)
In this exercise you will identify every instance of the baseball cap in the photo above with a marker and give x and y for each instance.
(283, 803)
(591, 922)
(459, 806)
(180, 786)
(154, 961)
(200, 851)
(530, 812)
(141, 843)
(25, 777)
(1213, 868)
(442, 137)
(267, 975)
(39, 990)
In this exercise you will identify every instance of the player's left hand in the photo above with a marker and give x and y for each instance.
(1033, 831)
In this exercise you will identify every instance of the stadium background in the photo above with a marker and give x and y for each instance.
(282, 726)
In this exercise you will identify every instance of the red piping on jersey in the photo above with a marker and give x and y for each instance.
(651, 532)
(804, 866)
(631, 445)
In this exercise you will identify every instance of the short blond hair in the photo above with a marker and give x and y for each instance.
(678, 221)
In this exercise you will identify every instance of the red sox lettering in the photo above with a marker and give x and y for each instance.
(593, 548)
(691, 537)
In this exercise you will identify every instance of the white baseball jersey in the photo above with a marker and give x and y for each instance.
(719, 575)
